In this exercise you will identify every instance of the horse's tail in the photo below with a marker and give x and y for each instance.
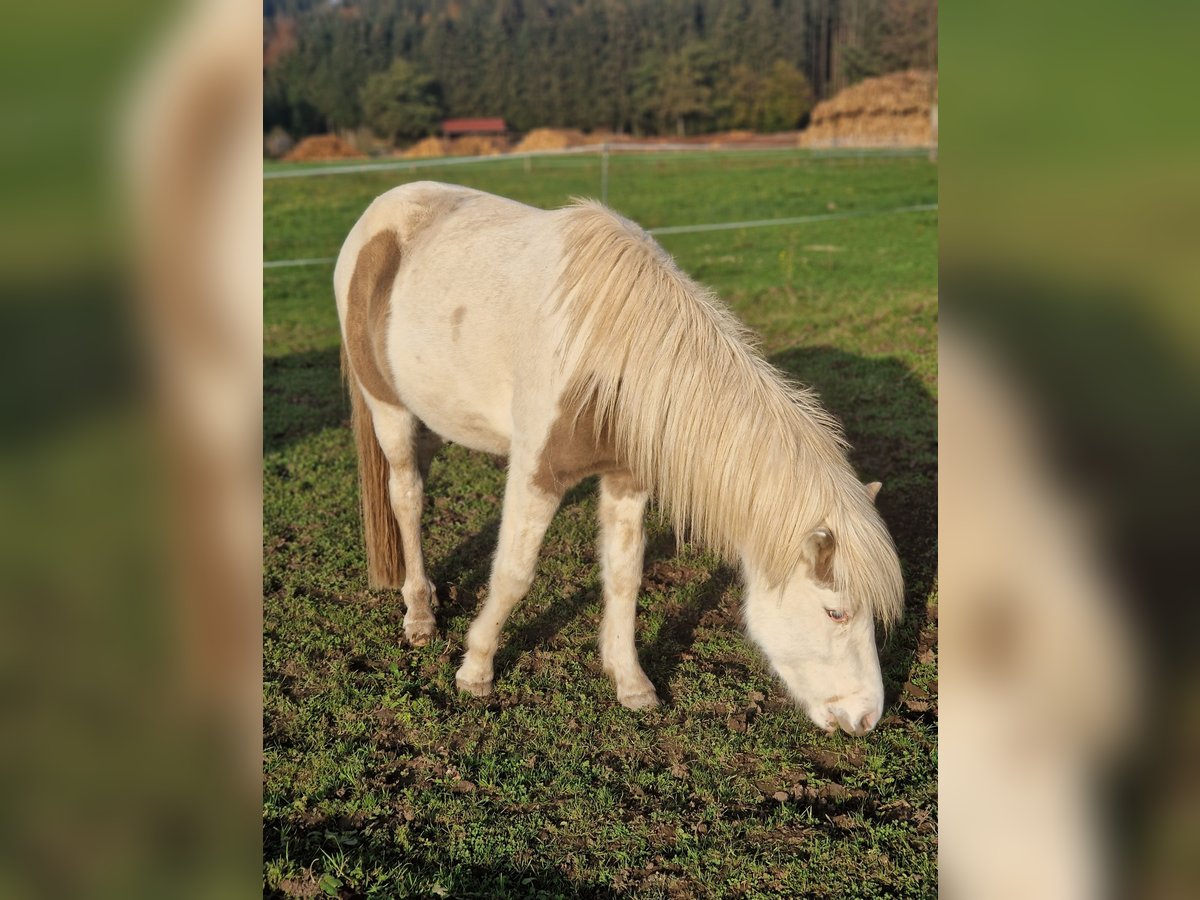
(381, 534)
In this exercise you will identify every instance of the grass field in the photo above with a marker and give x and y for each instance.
(381, 780)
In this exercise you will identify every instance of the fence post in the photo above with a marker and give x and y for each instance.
(604, 173)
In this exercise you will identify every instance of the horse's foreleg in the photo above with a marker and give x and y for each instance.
(400, 439)
(622, 547)
(527, 513)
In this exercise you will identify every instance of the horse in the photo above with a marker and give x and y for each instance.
(569, 341)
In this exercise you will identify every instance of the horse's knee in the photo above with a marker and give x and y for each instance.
(510, 583)
(406, 485)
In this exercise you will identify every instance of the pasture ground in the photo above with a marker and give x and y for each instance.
(381, 780)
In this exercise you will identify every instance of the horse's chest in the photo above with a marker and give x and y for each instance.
(573, 450)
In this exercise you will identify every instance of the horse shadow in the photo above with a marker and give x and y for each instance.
(467, 569)
(302, 395)
(663, 656)
(498, 878)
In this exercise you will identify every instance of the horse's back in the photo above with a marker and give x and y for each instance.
(466, 291)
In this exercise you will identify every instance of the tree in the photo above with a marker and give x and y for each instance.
(777, 101)
(893, 35)
(401, 103)
(785, 98)
(745, 93)
(678, 92)
(652, 66)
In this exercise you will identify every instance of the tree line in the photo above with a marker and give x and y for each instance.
(635, 66)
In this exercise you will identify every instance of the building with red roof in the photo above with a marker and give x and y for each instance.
(457, 127)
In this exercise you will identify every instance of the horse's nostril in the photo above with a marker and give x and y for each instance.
(854, 724)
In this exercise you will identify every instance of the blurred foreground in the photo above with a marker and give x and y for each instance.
(129, 474)
(1070, 426)
(129, 462)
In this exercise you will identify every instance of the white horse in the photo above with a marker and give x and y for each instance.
(570, 342)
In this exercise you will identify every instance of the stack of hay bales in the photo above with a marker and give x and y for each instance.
(319, 147)
(889, 111)
(551, 139)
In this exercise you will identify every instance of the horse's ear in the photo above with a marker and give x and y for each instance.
(873, 490)
(820, 556)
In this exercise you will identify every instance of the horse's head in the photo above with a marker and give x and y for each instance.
(820, 643)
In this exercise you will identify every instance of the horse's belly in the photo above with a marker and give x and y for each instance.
(458, 395)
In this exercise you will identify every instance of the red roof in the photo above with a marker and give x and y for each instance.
(473, 126)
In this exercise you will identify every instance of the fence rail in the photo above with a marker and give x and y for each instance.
(686, 229)
(603, 150)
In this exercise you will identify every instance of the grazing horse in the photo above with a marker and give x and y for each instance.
(570, 342)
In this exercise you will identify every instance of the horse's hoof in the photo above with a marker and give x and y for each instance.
(640, 700)
(474, 688)
(419, 634)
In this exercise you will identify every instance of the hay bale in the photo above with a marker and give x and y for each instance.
(321, 147)
(889, 111)
(551, 139)
(427, 148)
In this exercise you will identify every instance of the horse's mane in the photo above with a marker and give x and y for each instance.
(742, 460)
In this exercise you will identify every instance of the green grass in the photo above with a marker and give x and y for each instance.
(381, 780)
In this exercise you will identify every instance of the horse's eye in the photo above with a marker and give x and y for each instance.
(838, 615)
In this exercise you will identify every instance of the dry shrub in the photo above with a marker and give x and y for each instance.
(277, 143)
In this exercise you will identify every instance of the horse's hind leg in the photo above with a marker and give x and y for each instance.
(527, 513)
(622, 547)
(409, 448)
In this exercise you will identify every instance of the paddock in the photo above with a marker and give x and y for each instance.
(380, 776)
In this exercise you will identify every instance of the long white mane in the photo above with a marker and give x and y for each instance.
(743, 461)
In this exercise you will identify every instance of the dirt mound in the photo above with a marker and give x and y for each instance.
(551, 139)
(320, 147)
(889, 111)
